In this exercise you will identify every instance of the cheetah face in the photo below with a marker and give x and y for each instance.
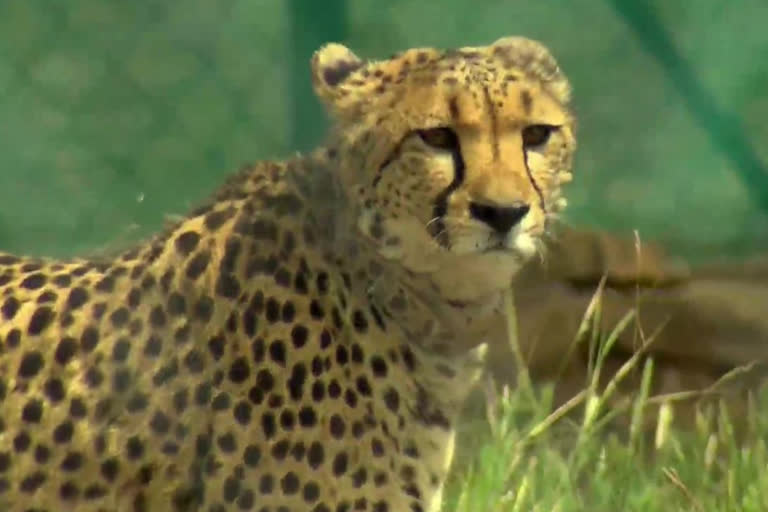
(453, 157)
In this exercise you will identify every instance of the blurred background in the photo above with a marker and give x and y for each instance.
(115, 114)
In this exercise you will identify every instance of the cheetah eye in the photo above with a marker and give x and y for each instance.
(536, 134)
(440, 138)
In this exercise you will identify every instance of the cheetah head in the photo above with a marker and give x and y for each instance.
(453, 159)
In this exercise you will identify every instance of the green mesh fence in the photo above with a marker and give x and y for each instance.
(114, 114)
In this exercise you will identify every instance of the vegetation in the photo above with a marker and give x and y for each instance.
(525, 457)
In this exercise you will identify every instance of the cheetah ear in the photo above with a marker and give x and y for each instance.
(534, 58)
(332, 65)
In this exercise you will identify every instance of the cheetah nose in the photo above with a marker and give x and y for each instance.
(500, 218)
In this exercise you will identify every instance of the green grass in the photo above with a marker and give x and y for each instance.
(525, 457)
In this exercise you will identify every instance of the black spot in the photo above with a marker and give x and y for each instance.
(227, 286)
(94, 377)
(242, 412)
(42, 454)
(194, 361)
(287, 419)
(65, 351)
(283, 277)
(325, 339)
(265, 380)
(9, 308)
(280, 449)
(176, 304)
(307, 417)
(315, 455)
(153, 346)
(246, 499)
(359, 478)
(72, 461)
(69, 491)
(408, 358)
(337, 426)
(318, 391)
(216, 347)
(180, 400)
(137, 402)
(357, 354)
(340, 464)
(77, 408)
(317, 366)
(40, 319)
(299, 335)
(251, 455)
(203, 309)
(121, 350)
(221, 402)
(334, 75)
(160, 423)
(311, 492)
(31, 364)
(342, 355)
(289, 483)
(249, 321)
(62, 280)
(272, 311)
(379, 366)
(77, 297)
(266, 484)
(134, 448)
(288, 312)
(363, 386)
(315, 310)
(392, 399)
(296, 381)
(98, 310)
(63, 432)
(21, 442)
(94, 492)
(203, 394)
(32, 411)
(13, 339)
(231, 489)
(106, 284)
(157, 317)
(239, 370)
(277, 352)
(134, 298)
(46, 296)
(197, 265)
(377, 448)
(215, 219)
(89, 339)
(187, 242)
(268, 425)
(227, 443)
(350, 397)
(181, 335)
(31, 483)
(300, 284)
(110, 469)
(120, 317)
(34, 281)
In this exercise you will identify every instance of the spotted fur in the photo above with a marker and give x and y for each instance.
(305, 340)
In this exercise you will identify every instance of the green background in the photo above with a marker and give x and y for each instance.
(115, 114)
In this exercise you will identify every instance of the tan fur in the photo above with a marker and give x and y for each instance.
(304, 341)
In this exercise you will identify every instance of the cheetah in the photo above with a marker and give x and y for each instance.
(305, 339)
